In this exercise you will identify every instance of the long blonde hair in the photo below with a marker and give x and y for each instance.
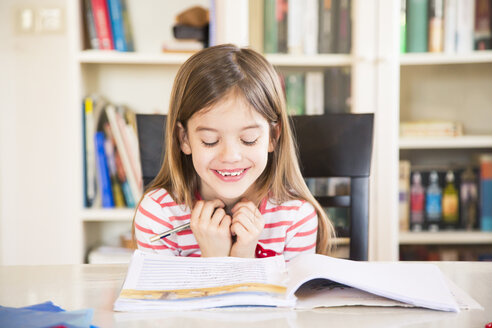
(203, 80)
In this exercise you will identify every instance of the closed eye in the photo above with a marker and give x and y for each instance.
(249, 143)
(209, 144)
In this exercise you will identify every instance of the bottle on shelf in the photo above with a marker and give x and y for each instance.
(416, 203)
(450, 210)
(433, 202)
(468, 199)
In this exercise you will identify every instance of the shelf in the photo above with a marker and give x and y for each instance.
(445, 238)
(462, 142)
(107, 215)
(116, 57)
(442, 58)
(328, 60)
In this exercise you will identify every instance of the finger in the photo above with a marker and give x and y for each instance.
(249, 205)
(225, 223)
(217, 216)
(237, 229)
(246, 221)
(209, 208)
(197, 210)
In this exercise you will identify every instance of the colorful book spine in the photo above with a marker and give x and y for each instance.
(117, 28)
(109, 150)
(311, 23)
(344, 28)
(295, 28)
(417, 25)
(314, 93)
(464, 26)
(103, 24)
(436, 25)
(295, 88)
(450, 11)
(127, 28)
(483, 25)
(327, 26)
(103, 171)
(403, 26)
(90, 25)
(270, 39)
(281, 19)
(90, 159)
(404, 195)
(486, 192)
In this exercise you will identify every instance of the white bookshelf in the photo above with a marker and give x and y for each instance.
(321, 60)
(445, 59)
(461, 142)
(116, 57)
(107, 215)
(446, 238)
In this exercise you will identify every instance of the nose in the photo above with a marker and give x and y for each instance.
(230, 152)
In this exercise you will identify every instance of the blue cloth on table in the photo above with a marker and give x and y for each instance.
(43, 315)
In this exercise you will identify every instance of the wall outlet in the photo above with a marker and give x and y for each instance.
(49, 20)
(36, 20)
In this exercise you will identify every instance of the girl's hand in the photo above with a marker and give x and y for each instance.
(247, 224)
(211, 227)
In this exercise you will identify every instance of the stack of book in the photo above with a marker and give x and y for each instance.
(307, 26)
(431, 128)
(451, 26)
(107, 25)
(318, 92)
(112, 172)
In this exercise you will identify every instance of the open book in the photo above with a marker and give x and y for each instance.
(156, 282)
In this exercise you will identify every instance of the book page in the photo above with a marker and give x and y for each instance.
(153, 276)
(419, 284)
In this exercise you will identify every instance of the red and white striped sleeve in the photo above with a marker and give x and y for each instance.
(301, 235)
(149, 221)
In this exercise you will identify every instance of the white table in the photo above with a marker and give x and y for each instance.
(96, 286)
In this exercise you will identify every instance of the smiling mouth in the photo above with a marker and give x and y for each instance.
(230, 173)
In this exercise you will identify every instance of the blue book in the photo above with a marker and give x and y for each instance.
(127, 193)
(116, 17)
(103, 171)
(486, 192)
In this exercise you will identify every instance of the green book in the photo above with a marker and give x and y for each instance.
(270, 39)
(294, 86)
(403, 27)
(417, 29)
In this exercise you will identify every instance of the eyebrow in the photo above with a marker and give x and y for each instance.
(204, 128)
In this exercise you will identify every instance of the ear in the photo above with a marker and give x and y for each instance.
(275, 136)
(183, 139)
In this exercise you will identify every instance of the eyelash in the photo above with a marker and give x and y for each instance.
(211, 144)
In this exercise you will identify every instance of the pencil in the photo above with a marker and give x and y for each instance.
(169, 232)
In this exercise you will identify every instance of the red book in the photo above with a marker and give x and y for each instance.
(103, 24)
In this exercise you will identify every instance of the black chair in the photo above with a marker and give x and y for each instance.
(332, 145)
(340, 145)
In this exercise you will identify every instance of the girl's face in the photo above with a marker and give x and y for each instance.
(229, 146)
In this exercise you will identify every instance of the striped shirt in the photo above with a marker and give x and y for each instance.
(290, 228)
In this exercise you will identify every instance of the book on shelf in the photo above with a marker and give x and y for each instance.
(102, 23)
(450, 26)
(156, 282)
(327, 26)
(111, 158)
(229, 22)
(483, 25)
(256, 25)
(104, 179)
(309, 27)
(314, 93)
(108, 25)
(486, 192)
(417, 13)
(431, 129)
(403, 26)
(436, 24)
(295, 89)
(404, 195)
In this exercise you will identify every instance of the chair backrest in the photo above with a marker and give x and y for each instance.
(331, 145)
(340, 145)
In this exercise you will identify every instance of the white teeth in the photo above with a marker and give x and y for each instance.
(230, 174)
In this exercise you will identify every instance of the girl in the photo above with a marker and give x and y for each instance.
(230, 167)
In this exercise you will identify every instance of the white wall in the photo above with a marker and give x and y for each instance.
(37, 216)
